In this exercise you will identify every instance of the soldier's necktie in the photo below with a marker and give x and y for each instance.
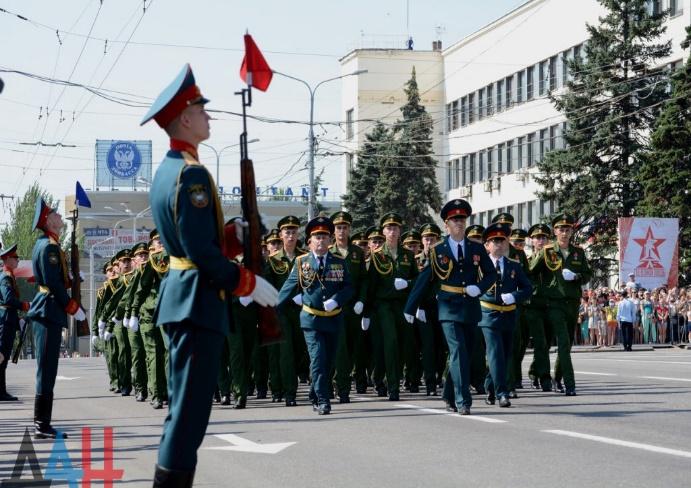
(497, 288)
(459, 254)
(321, 266)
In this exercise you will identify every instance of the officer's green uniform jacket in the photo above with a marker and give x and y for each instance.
(52, 303)
(116, 305)
(144, 300)
(355, 260)
(110, 286)
(452, 278)
(520, 256)
(548, 264)
(278, 265)
(10, 305)
(130, 291)
(188, 215)
(382, 272)
(429, 299)
(496, 314)
(333, 284)
(100, 293)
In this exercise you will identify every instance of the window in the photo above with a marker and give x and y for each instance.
(490, 158)
(532, 211)
(521, 218)
(480, 104)
(471, 169)
(500, 159)
(675, 7)
(564, 68)
(500, 90)
(554, 137)
(490, 106)
(536, 149)
(520, 76)
(577, 52)
(481, 166)
(520, 162)
(553, 73)
(542, 84)
(543, 144)
(349, 124)
(471, 108)
(349, 162)
(449, 176)
(509, 156)
(508, 95)
(464, 112)
(464, 171)
(529, 83)
(456, 173)
(530, 149)
(454, 115)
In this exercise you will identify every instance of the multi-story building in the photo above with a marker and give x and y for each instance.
(488, 97)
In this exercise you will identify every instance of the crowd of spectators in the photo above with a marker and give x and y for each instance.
(659, 316)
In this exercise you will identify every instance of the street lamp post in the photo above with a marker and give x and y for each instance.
(134, 223)
(218, 156)
(311, 204)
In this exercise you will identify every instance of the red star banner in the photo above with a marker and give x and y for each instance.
(255, 70)
(649, 248)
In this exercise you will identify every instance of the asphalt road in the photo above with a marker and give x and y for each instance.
(630, 425)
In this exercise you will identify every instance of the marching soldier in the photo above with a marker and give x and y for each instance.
(478, 363)
(412, 241)
(498, 305)
(285, 358)
(350, 348)
(474, 233)
(48, 312)
(273, 241)
(142, 316)
(536, 314)
(95, 333)
(322, 283)
(463, 271)
(359, 239)
(140, 253)
(10, 306)
(110, 345)
(192, 304)
(521, 337)
(391, 273)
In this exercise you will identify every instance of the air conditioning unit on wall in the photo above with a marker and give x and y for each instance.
(466, 191)
(496, 183)
(487, 185)
(522, 175)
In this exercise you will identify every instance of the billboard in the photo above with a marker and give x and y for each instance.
(122, 164)
(649, 248)
(106, 242)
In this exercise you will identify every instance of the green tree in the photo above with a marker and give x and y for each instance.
(408, 183)
(19, 230)
(665, 173)
(359, 197)
(610, 107)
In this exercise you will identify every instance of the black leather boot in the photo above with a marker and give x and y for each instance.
(43, 410)
(172, 478)
(4, 396)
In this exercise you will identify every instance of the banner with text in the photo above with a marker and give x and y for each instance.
(649, 248)
(106, 242)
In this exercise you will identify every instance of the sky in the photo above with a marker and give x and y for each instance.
(134, 48)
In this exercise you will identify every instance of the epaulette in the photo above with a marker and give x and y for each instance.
(517, 261)
(548, 246)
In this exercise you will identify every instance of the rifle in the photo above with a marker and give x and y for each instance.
(268, 324)
(20, 344)
(83, 325)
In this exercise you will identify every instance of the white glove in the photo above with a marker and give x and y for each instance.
(100, 333)
(358, 307)
(408, 318)
(330, 305)
(421, 315)
(79, 315)
(400, 284)
(134, 324)
(107, 336)
(116, 321)
(568, 274)
(21, 323)
(297, 299)
(264, 293)
(472, 291)
(508, 298)
(101, 326)
(126, 323)
(94, 338)
(364, 323)
(245, 301)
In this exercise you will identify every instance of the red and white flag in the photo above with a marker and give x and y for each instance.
(255, 70)
(649, 248)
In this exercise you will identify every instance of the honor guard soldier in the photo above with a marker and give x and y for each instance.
(10, 306)
(463, 271)
(498, 305)
(514, 376)
(110, 345)
(96, 334)
(351, 348)
(411, 240)
(273, 242)
(391, 273)
(375, 239)
(536, 314)
(192, 305)
(359, 239)
(286, 358)
(320, 283)
(474, 233)
(48, 312)
(140, 256)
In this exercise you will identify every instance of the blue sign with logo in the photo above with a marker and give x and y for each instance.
(124, 159)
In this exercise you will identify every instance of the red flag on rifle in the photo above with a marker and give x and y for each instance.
(254, 70)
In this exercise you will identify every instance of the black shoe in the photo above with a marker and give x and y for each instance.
(431, 389)
(464, 411)
(536, 385)
(117, 391)
(394, 396)
(276, 398)
(140, 397)
(6, 397)
(547, 385)
(490, 400)
(558, 386)
(172, 478)
(344, 398)
(112, 388)
(43, 410)
(240, 403)
(481, 390)
(225, 400)
(324, 409)
(261, 394)
(126, 391)
(217, 396)
(156, 404)
(570, 392)
(414, 389)
(290, 402)
(504, 402)
(513, 394)
(381, 392)
(361, 390)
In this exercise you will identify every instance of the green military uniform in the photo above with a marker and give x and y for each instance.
(134, 334)
(243, 342)
(102, 296)
(522, 332)
(392, 338)
(111, 345)
(350, 341)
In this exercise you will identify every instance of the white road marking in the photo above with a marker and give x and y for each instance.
(664, 378)
(639, 361)
(596, 374)
(618, 442)
(245, 445)
(66, 378)
(438, 411)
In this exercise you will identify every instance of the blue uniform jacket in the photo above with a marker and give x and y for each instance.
(10, 304)
(496, 314)
(452, 277)
(51, 304)
(335, 283)
(187, 214)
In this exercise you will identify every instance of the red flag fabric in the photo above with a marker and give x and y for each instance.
(255, 70)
